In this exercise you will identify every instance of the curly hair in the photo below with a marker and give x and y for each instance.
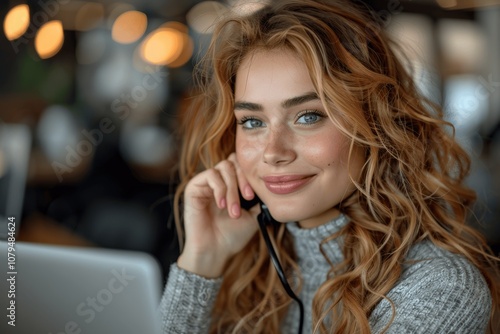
(411, 187)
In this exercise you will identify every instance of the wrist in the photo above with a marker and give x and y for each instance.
(206, 265)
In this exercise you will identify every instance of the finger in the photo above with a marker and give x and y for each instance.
(216, 186)
(228, 173)
(243, 184)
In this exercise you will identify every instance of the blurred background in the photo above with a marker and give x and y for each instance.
(91, 93)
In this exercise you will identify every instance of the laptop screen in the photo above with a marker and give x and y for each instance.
(54, 289)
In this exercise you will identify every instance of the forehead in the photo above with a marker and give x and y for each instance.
(272, 75)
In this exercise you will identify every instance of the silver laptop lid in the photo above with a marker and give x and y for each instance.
(54, 290)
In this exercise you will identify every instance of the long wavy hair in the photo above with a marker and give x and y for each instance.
(411, 186)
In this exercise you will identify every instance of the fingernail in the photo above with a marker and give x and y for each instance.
(248, 191)
(235, 210)
(223, 203)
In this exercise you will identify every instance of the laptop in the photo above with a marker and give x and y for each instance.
(48, 289)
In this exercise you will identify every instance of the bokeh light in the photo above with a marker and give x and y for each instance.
(187, 43)
(162, 46)
(16, 22)
(203, 16)
(244, 7)
(177, 26)
(129, 27)
(116, 9)
(49, 39)
(186, 52)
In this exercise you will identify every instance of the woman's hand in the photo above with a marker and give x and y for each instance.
(216, 226)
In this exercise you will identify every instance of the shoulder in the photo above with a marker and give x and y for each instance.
(426, 260)
(439, 292)
(437, 268)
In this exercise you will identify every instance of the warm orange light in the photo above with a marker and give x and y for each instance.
(49, 39)
(129, 27)
(187, 45)
(116, 9)
(177, 26)
(162, 46)
(16, 22)
(186, 53)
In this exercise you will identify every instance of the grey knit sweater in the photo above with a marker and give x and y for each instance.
(443, 293)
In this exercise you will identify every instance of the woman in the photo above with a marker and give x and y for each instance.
(305, 105)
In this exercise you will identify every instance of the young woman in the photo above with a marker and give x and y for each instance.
(305, 105)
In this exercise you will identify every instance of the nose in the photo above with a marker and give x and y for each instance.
(279, 148)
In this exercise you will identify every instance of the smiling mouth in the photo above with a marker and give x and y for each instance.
(286, 184)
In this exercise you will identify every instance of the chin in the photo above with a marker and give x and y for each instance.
(282, 215)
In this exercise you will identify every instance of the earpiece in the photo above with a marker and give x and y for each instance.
(248, 204)
(264, 215)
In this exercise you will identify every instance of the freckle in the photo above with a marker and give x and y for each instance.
(329, 165)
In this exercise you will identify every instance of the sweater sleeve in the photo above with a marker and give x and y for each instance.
(441, 295)
(187, 302)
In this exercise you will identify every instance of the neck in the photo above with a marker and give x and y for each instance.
(308, 242)
(323, 218)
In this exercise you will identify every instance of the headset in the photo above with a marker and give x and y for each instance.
(265, 219)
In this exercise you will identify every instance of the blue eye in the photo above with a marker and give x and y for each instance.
(310, 117)
(251, 123)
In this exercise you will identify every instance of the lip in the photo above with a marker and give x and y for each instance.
(286, 184)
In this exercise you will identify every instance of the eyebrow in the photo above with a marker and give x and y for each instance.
(289, 103)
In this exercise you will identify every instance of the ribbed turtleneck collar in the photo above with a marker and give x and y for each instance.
(307, 243)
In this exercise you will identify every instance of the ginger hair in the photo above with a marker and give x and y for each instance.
(411, 187)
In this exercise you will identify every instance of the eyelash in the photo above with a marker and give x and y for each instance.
(318, 113)
(245, 119)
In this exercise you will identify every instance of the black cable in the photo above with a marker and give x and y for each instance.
(264, 218)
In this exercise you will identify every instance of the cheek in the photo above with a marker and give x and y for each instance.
(333, 157)
(247, 152)
(326, 151)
